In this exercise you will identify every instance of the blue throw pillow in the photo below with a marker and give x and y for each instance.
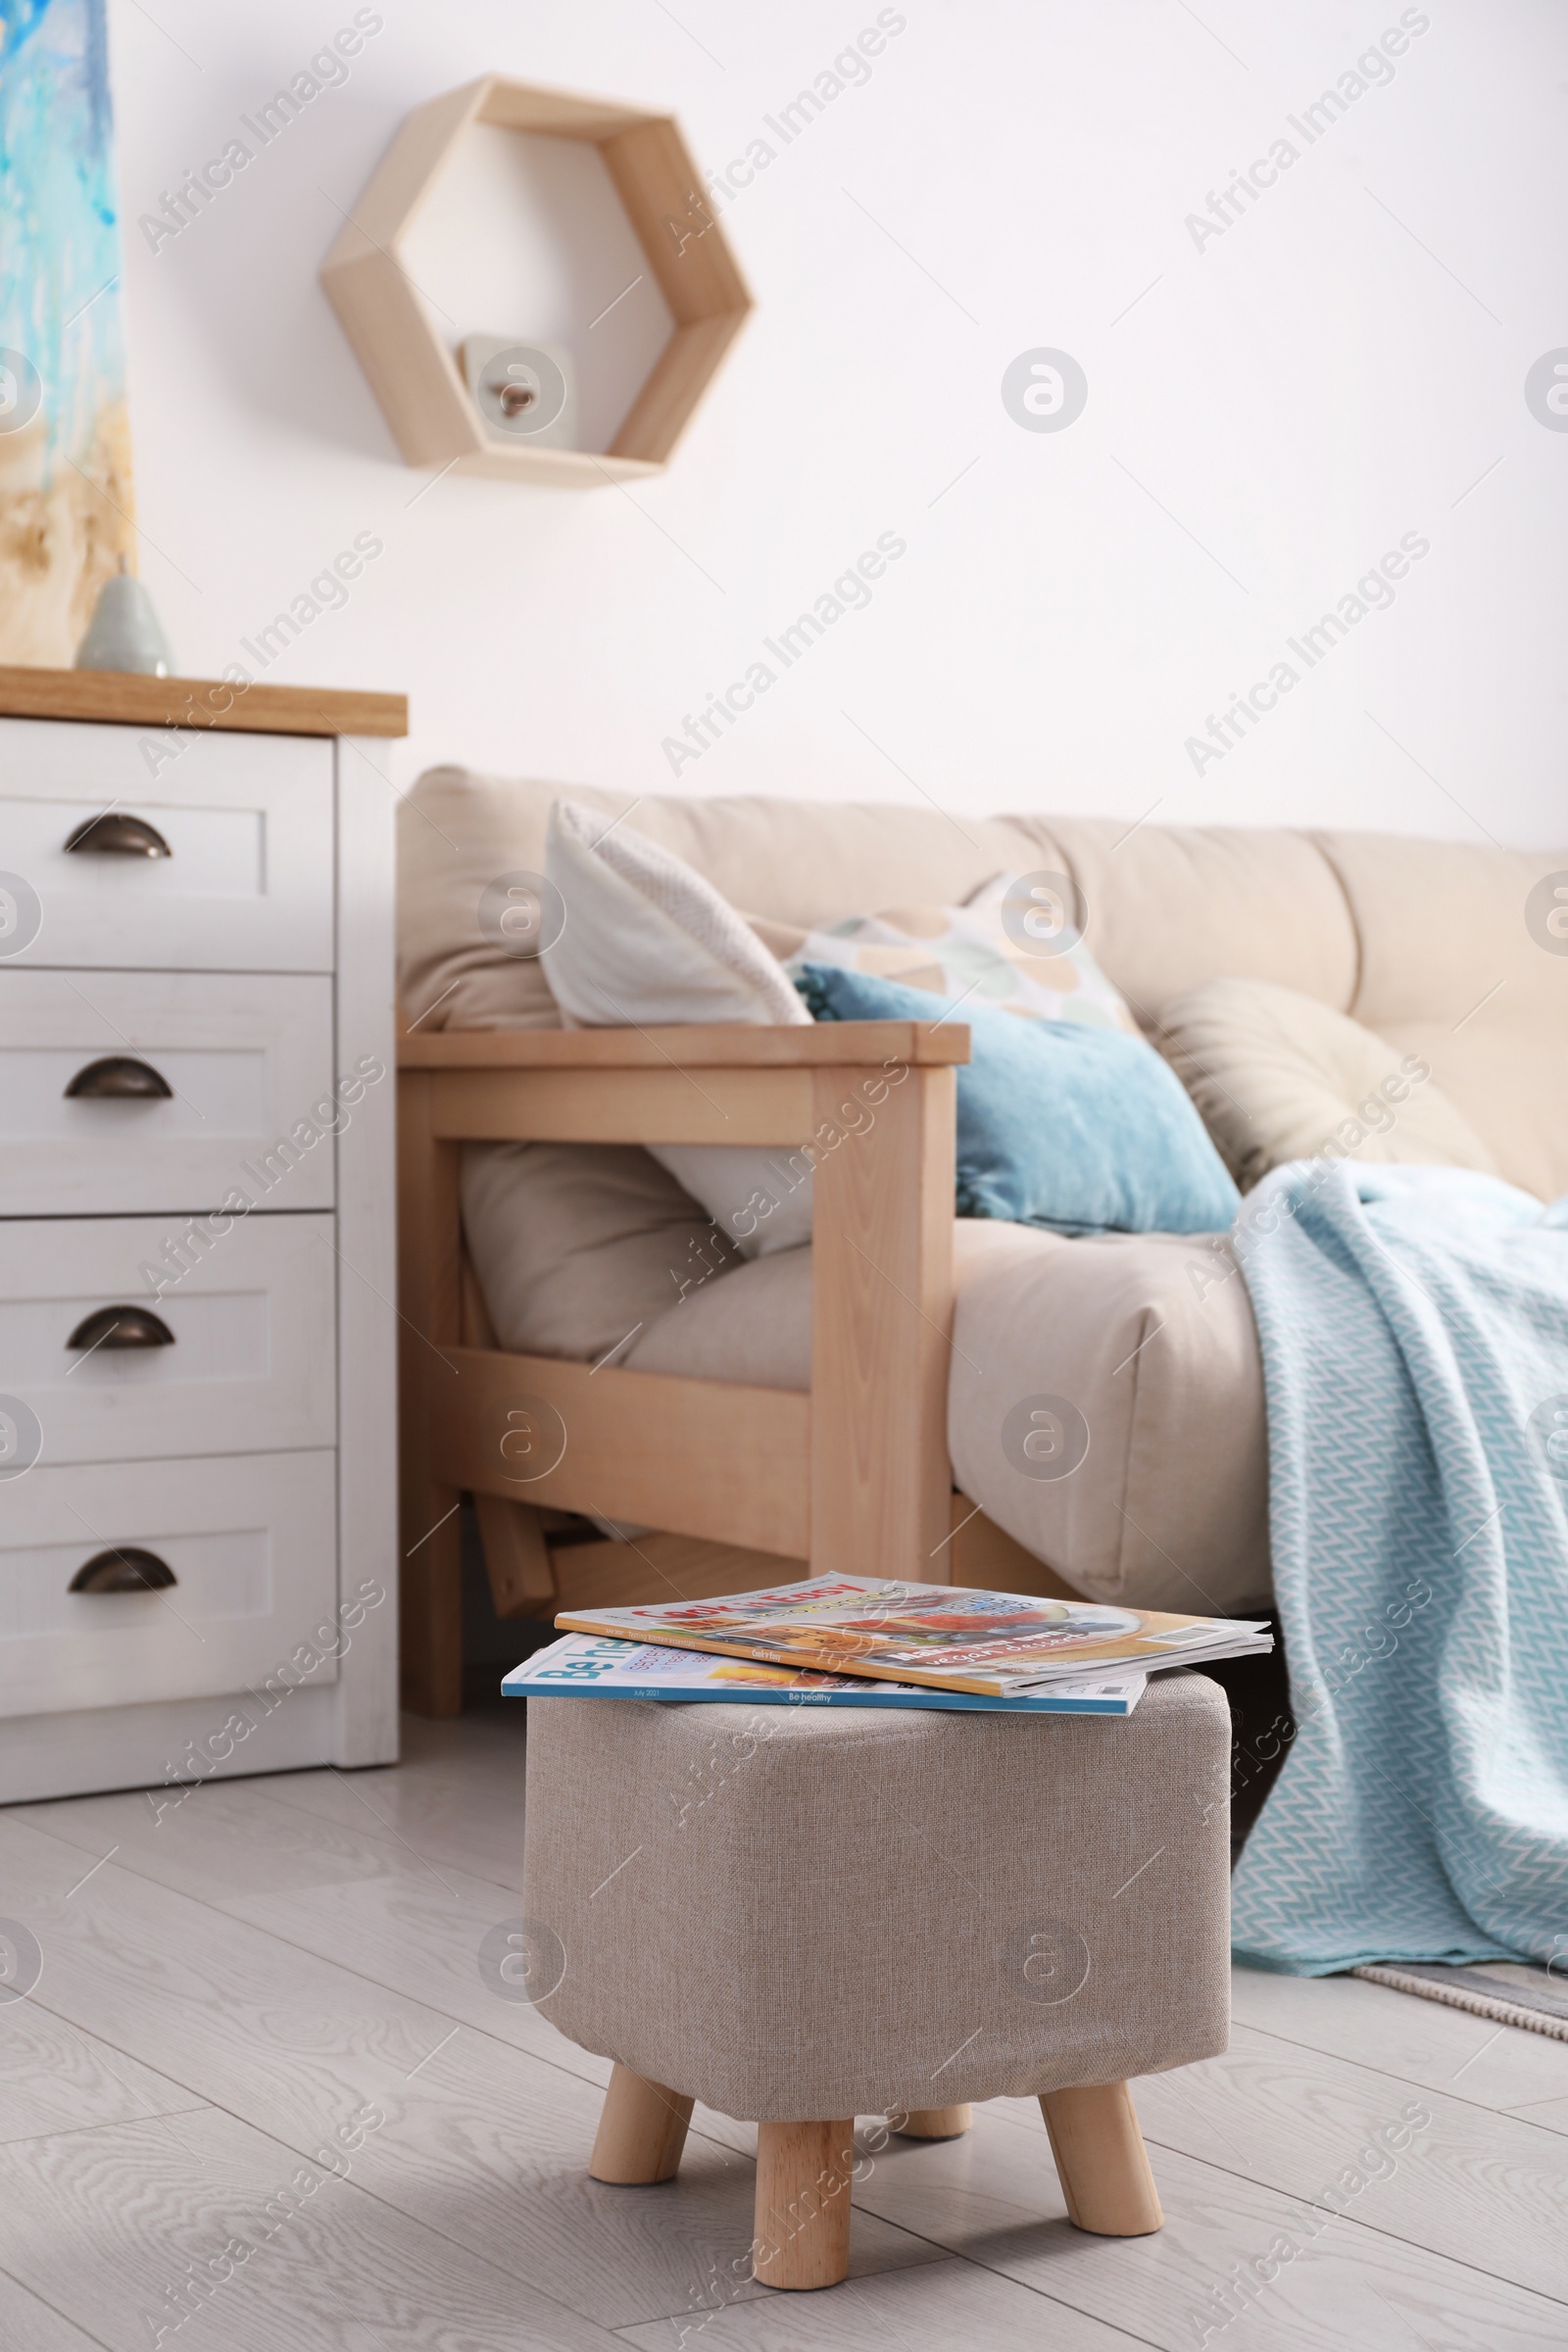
(1079, 1129)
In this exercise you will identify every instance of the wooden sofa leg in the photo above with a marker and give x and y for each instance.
(517, 1557)
(936, 2122)
(1101, 2160)
(642, 2130)
(802, 2203)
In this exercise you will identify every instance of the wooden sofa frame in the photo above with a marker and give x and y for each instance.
(852, 1477)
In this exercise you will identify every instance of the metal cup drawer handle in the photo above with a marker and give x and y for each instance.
(119, 1078)
(120, 1327)
(125, 1569)
(118, 834)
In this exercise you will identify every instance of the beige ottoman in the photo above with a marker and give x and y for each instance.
(803, 1915)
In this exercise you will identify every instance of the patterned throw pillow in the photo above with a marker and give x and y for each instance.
(998, 949)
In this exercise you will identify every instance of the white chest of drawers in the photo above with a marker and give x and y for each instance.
(198, 1556)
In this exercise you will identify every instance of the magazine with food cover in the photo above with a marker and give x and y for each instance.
(611, 1668)
(942, 1637)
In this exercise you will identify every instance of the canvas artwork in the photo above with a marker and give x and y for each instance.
(64, 442)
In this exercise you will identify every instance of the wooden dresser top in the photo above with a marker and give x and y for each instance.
(120, 698)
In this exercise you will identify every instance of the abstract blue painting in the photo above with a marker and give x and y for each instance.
(66, 501)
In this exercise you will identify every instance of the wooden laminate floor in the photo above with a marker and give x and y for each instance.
(235, 1989)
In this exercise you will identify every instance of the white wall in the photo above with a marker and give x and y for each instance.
(1341, 366)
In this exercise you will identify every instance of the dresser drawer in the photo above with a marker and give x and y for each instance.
(250, 1540)
(238, 1092)
(246, 820)
(185, 1340)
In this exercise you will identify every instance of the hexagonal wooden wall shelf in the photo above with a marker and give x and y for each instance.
(412, 370)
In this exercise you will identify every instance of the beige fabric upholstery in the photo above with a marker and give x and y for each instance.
(576, 1243)
(1151, 1338)
(1389, 929)
(798, 1915)
(1277, 1076)
(798, 861)
(753, 1327)
(1425, 943)
(1451, 970)
(1171, 906)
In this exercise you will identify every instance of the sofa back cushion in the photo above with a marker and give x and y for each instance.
(1408, 936)
(1457, 966)
(1172, 906)
(1165, 907)
(804, 862)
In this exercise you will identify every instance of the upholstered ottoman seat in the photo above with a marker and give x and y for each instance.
(800, 1915)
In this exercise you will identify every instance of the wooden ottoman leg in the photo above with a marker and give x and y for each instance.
(642, 2130)
(1101, 2161)
(935, 2123)
(802, 2203)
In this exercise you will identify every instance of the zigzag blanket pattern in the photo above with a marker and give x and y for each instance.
(1414, 1331)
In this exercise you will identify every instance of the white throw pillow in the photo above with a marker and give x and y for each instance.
(648, 942)
(1278, 1076)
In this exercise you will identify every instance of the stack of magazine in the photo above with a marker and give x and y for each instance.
(863, 1641)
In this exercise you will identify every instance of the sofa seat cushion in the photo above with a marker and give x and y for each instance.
(754, 1326)
(1141, 1351)
(1146, 1340)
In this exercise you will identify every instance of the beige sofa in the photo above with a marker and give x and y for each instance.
(1151, 1336)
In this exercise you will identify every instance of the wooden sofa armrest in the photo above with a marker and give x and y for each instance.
(729, 1045)
(709, 1083)
(871, 1108)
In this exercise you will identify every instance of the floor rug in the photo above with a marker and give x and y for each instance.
(1509, 1992)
